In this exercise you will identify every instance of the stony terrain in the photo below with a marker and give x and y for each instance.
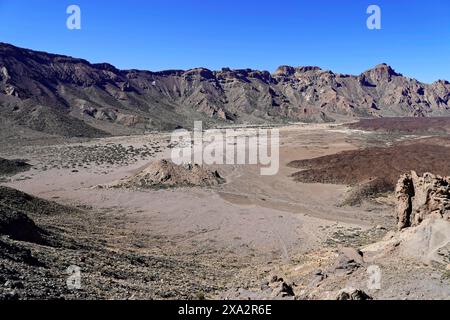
(249, 236)
(94, 191)
(420, 250)
(8, 167)
(59, 95)
(377, 167)
(40, 239)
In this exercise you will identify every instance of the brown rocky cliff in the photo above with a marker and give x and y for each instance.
(421, 196)
(62, 87)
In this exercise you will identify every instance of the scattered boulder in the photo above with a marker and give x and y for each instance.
(353, 294)
(275, 279)
(348, 260)
(14, 284)
(317, 277)
(283, 290)
(286, 290)
(352, 254)
(166, 174)
(279, 287)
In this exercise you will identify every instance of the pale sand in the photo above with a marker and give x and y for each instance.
(262, 217)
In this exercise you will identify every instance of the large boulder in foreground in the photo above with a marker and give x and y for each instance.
(423, 213)
(428, 242)
(420, 196)
(166, 174)
(353, 294)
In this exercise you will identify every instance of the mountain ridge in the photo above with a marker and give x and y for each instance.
(62, 95)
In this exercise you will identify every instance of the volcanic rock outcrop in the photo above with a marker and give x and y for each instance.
(423, 221)
(165, 174)
(421, 196)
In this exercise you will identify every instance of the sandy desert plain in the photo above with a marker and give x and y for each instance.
(251, 237)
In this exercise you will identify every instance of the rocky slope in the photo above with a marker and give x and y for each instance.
(40, 239)
(67, 96)
(412, 262)
(8, 167)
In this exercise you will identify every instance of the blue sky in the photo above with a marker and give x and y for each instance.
(182, 34)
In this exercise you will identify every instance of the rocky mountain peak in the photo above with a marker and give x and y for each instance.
(381, 72)
(287, 71)
(284, 71)
(307, 68)
(441, 83)
(200, 73)
(383, 67)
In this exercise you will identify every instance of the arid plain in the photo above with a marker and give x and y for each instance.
(252, 236)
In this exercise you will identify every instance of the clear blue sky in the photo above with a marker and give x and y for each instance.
(182, 34)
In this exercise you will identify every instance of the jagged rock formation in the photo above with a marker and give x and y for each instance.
(166, 174)
(420, 196)
(423, 213)
(67, 96)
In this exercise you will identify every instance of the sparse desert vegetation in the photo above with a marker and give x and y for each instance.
(87, 183)
(309, 234)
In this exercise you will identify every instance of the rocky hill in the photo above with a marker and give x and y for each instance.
(165, 174)
(66, 96)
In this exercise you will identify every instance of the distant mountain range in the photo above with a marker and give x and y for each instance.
(61, 95)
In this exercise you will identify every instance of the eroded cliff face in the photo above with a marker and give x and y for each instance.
(63, 95)
(423, 214)
(421, 196)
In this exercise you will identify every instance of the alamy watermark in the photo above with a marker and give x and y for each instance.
(374, 281)
(73, 22)
(230, 146)
(374, 20)
(74, 279)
